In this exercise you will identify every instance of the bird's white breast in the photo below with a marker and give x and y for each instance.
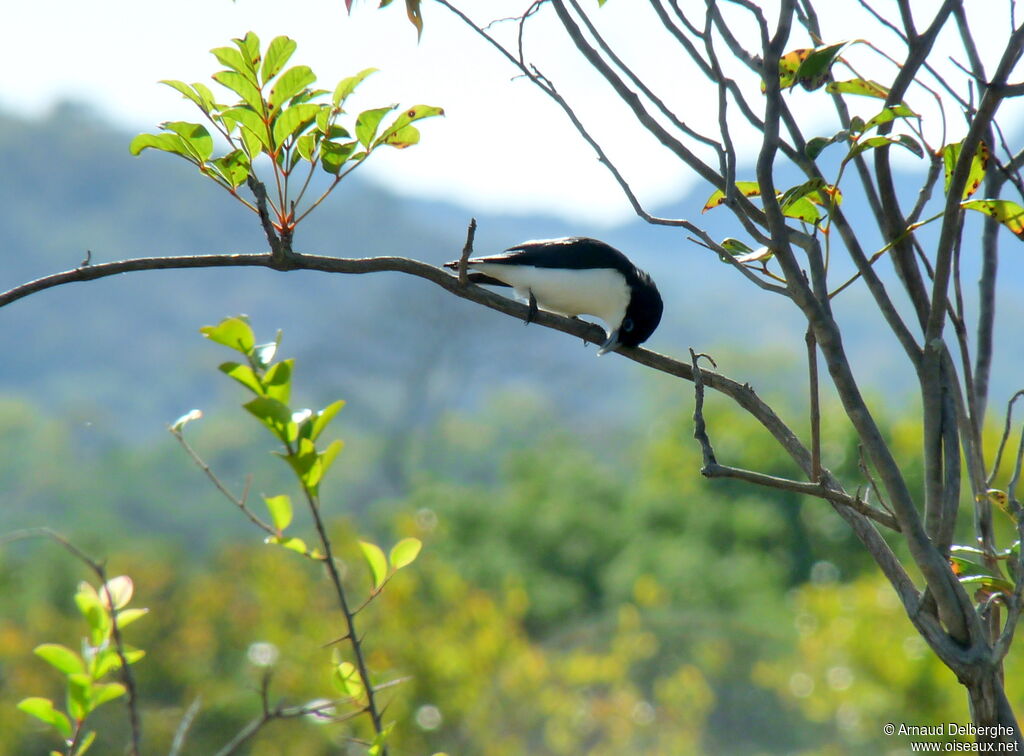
(601, 292)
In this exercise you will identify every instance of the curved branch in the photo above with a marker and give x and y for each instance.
(741, 393)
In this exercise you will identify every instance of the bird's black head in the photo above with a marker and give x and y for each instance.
(643, 313)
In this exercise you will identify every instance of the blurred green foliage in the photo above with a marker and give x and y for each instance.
(575, 595)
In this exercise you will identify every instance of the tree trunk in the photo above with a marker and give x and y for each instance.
(991, 713)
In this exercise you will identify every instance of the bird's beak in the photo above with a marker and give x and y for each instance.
(611, 344)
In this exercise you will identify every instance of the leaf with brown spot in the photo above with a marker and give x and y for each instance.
(858, 87)
(789, 64)
(979, 165)
(746, 188)
(1009, 213)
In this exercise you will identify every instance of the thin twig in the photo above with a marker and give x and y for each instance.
(181, 733)
(1005, 437)
(466, 252)
(239, 502)
(812, 371)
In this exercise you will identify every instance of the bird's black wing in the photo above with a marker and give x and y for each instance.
(574, 253)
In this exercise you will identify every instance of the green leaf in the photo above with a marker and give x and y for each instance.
(871, 143)
(858, 87)
(89, 604)
(127, 616)
(307, 95)
(292, 544)
(333, 155)
(275, 415)
(252, 123)
(233, 59)
(988, 583)
(293, 121)
(812, 190)
(746, 188)
(1009, 213)
(911, 144)
(209, 103)
(278, 381)
(280, 508)
(243, 87)
(408, 116)
(104, 692)
(195, 136)
(249, 46)
(404, 553)
(105, 662)
(278, 53)
(133, 655)
(377, 561)
(291, 82)
(816, 67)
(42, 708)
(735, 246)
(235, 333)
(404, 137)
(309, 464)
(244, 375)
(888, 114)
(367, 124)
(164, 142)
(324, 417)
(348, 85)
(979, 165)
(328, 455)
(380, 740)
(78, 690)
(814, 146)
(203, 102)
(60, 657)
(233, 167)
(306, 144)
(346, 677)
(802, 209)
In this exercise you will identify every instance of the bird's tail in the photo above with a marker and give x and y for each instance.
(474, 277)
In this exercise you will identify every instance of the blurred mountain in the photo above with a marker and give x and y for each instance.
(124, 353)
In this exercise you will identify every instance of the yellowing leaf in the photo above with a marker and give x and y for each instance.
(404, 553)
(979, 164)
(746, 188)
(858, 87)
(789, 64)
(1009, 213)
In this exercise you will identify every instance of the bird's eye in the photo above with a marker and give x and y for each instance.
(627, 324)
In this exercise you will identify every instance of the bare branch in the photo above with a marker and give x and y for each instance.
(1005, 437)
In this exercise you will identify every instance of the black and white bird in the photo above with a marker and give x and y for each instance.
(577, 276)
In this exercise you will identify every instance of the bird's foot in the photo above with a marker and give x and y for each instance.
(532, 312)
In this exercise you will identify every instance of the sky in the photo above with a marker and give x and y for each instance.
(502, 147)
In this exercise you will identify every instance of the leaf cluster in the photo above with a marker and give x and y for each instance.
(282, 116)
(85, 673)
